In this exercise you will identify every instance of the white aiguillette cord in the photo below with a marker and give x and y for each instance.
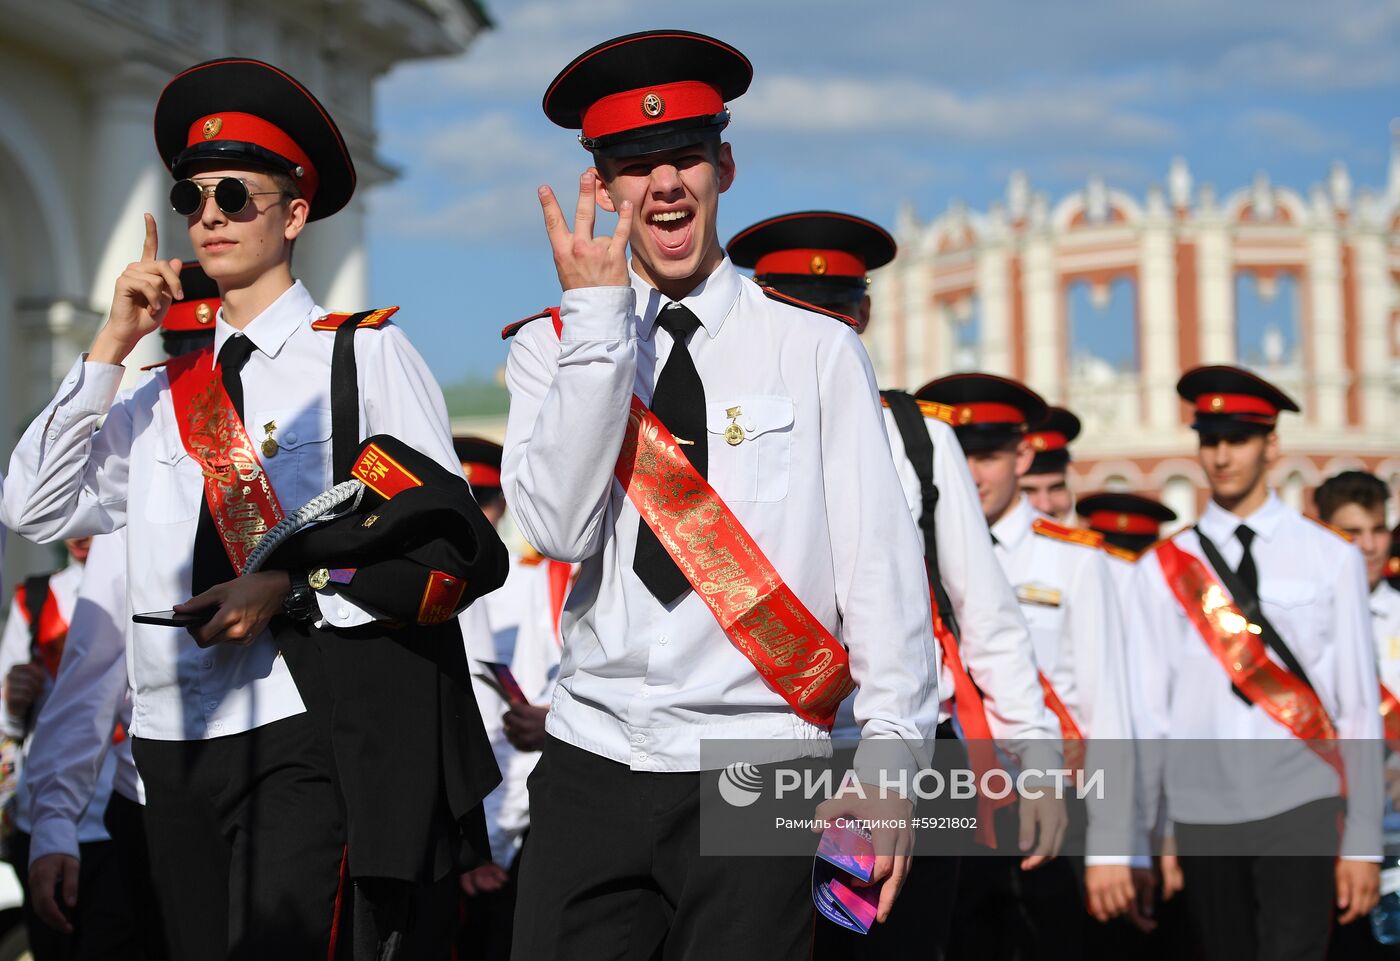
(317, 510)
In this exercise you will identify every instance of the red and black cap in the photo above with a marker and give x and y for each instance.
(1130, 521)
(481, 462)
(987, 411)
(246, 112)
(817, 255)
(648, 91)
(1050, 438)
(196, 312)
(1229, 400)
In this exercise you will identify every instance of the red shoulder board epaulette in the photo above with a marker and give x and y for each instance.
(1122, 553)
(1073, 535)
(156, 365)
(510, 330)
(785, 299)
(931, 410)
(376, 318)
(1335, 530)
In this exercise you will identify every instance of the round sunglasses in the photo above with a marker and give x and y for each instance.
(230, 194)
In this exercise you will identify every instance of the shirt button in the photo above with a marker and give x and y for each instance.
(646, 693)
(639, 738)
(207, 662)
(211, 705)
(53, 435)
(662, 639)
(641, 757)
(289, 436)
(342, 612)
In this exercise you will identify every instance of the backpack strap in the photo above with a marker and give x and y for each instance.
(36, 595)
(345, 396)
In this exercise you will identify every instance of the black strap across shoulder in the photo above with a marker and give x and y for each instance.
(36, 595)
(345, 398)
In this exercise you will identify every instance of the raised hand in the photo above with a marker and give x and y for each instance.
(581, 259)
(143, 294)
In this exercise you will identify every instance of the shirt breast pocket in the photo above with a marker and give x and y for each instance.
(750, 446)
(300, 465)
(1296, 610)
(176, 485)
(1045, 618)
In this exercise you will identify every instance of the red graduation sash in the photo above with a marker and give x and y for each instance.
(53, 629)
(1226, 631)
(1390, 718)
(762, 617)
(240, 497)
(1070, 733)
(972, 718)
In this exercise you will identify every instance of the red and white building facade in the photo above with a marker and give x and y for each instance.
(995, 291)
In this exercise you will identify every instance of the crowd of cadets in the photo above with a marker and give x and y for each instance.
(308, 771)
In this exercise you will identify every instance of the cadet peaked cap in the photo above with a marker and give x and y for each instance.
(416, 549)
(1050, 438)
(481, 460)
(648, 91)
(196, 312)
(1232, 400)
(814, 255)
(987, 411)
(246, 112)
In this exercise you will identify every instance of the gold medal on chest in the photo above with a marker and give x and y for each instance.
(269, 444)
(734, 434)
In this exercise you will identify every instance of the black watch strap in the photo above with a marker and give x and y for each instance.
(300, 602)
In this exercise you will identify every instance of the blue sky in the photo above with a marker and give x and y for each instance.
(862, 107)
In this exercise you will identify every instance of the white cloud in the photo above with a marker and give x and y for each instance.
(1284, 130)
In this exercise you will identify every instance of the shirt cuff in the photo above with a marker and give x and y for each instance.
(890, 763)
(597, 314)
(91, 386)
(339, 611)
(53, 835)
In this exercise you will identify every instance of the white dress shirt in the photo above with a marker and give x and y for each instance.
(68, 479)
(811, 481)
(66, 770)
(66, 588)
(995, 644)
(1313, 589)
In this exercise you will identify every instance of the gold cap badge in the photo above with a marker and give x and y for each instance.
(964, 415)
(212, 126)
(1038, 443)
(1217, 403)
(1122, 522)
(204, 313)
(653, 106)
(818, 264)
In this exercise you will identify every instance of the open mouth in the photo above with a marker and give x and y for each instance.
(672, 230)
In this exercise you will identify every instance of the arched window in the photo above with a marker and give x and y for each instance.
(1102, 320)
(1179, 493)
(1268, 324)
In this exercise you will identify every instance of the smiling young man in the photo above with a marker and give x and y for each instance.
(251, 796)
(1251, 629)
(679, 368)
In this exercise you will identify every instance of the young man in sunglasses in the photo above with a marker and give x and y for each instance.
(250, 795)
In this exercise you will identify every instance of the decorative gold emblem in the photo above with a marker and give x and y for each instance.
(1217, 403)
(818, 264)
(318, 579)
(1122, 522)
(653, 106)
(734, 434)
(269, 444)
(467, 471)
(204, 313)
(1038, 442)
(212, 126)
(964, 415)
(369, 521)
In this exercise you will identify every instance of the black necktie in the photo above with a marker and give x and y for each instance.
(211, 563)
(1246, 571)
(679, 401)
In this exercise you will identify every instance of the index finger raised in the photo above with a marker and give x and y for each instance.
(554, 223)
(152, 243)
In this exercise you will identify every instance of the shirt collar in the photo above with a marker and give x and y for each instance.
(1014, 525)
(711, 301)
(1219, 524)
(270, 329)
(1383, 596)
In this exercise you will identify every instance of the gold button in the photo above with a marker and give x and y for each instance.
(653, 106)
(734, 435)
(818, 264)
(212, 126)
(204, 313)
(318, 579)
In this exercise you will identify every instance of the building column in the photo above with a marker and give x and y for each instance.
(1373, 319)
(1215, 268)
(918, 311)
(123, 154)
(1043, 296)
(1158, 362)
(332, 260)
(1328, 363)
(994, 307)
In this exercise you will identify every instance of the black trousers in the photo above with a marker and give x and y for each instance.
(1271, 906)
(246, 840)
(102, 921)
(612, 870)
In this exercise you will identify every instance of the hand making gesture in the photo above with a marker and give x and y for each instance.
(144, 293)
(582, 259)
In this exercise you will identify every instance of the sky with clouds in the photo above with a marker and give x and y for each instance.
(864, 107)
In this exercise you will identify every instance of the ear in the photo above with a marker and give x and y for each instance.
(1272, 450)
(298, 210)
(863, 313)
(600, 192)
(725, 167)
(1025, 455)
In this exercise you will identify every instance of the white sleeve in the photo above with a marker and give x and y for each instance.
(568, 414)
(67, 478)
(74, 731)
(1358, 717)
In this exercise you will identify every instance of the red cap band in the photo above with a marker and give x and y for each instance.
(1120, 522)
(246, 128)
(817, 262)
(988, 413)
(482, 475)
(649, 106)
(1235, 404)
(1043, 440)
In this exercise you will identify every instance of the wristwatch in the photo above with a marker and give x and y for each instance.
(300, 603)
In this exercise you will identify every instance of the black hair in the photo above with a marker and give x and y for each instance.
(1350, 487)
